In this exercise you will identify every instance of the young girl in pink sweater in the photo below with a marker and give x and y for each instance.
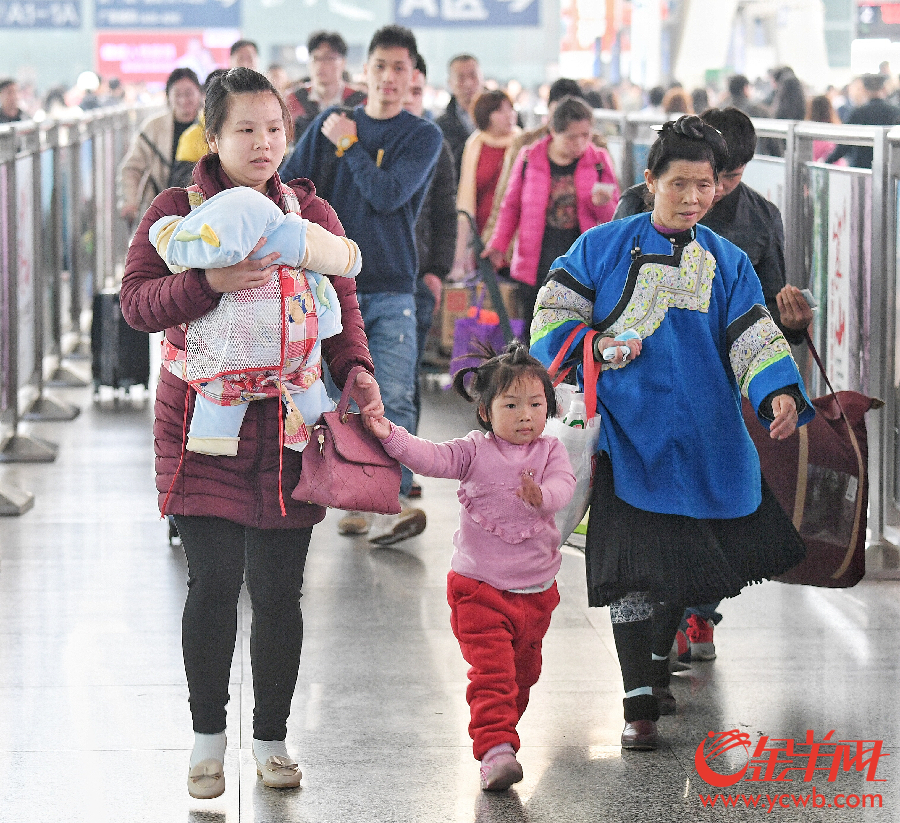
(501, 587)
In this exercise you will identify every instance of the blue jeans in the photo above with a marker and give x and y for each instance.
(390, 321)
(706, 611)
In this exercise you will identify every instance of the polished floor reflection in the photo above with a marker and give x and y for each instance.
(94, 722)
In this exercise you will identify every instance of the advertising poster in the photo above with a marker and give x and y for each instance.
(838, 298)
(149, 57)
(4, 294)
(818, 275)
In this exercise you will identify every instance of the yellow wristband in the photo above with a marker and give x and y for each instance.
(345, 143)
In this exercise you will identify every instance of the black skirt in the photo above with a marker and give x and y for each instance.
(679, 559)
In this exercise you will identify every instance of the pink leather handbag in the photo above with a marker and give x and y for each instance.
(345, 465)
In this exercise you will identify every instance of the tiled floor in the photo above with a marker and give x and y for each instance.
(94, 722)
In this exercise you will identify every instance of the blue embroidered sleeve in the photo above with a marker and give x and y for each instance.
(760, 356)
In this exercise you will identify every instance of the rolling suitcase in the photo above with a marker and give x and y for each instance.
(120, 355)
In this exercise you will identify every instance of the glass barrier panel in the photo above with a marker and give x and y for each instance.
(766, 175)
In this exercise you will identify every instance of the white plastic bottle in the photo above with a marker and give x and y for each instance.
(577, 414)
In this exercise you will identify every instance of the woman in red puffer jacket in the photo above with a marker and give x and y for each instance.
(235, 514)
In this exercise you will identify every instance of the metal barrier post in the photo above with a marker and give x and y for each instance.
(16, 448)
(59, 137)
(881, 350)
(82, 349)
(42, 407)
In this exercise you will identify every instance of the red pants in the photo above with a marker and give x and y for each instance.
(500, 635)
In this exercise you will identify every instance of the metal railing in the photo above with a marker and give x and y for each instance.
(60, 241)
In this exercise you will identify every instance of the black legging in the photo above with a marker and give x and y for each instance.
(218, 552)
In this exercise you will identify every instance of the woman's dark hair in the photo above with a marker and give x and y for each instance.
(821, 111)
(687, 138)
(564, 87)
(497, 373)
(790, 99)
(182, 74)
(677, 101)
(737, 129)
(239, 81)
(486, 104)
(211, 77)
(570, 110)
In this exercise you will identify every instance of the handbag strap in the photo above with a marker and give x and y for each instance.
(815, 355)
(344, 403)
(560, 356)
(489, 278)
(860, 463)
(591, 367)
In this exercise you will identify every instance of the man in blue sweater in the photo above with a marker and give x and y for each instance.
(374, 165)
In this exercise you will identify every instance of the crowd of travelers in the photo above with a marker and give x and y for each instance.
(412, 174)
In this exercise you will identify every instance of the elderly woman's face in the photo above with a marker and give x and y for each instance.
(682, 194)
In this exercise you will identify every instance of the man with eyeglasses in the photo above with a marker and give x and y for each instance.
(326, 86)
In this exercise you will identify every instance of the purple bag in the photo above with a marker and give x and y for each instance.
(469, 331)
(345, 465)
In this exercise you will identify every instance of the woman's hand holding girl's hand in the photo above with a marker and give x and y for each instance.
(529, 491)
(248, 274)
(784, 407)
(379, 426)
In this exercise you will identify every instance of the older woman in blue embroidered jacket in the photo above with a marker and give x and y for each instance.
(680, 513)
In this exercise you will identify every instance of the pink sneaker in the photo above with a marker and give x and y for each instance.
(500, 770)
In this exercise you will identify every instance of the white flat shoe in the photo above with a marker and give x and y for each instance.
(207, 779)
(279, 772)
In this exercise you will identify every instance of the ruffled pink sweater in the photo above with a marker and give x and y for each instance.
(501, 540)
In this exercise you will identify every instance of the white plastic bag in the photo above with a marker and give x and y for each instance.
(581, 445)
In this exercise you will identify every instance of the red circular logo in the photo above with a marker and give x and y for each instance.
(713, 747)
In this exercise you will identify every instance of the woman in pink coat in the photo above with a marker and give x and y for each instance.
(559, 188)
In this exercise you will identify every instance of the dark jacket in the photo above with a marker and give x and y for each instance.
(749, 221)
(244, 488)
(877, 112)
(436, 226)
(456, 131)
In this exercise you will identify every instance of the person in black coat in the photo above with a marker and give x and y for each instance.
(435, 229)
(466, 83)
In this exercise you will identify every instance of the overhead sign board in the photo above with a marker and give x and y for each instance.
(40, 14)
(167, 14)
(445, 13)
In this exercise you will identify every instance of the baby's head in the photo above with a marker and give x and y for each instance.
(514, 393)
